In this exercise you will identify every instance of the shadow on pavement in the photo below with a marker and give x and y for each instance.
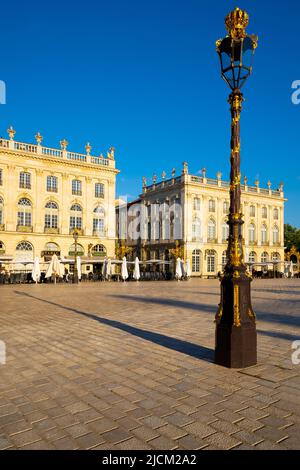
(191, 349)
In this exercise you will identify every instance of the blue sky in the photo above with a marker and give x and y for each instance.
(144, 76)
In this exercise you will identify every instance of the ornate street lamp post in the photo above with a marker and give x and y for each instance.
(235, 320)
(75, 276)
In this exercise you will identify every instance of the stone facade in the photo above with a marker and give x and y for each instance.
(46, 193)
(202, 237)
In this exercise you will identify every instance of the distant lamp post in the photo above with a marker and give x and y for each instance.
(75, 276)
(236, 341)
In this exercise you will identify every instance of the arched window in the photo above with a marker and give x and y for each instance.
(264, 234)
(51, 215)
(76, 187)
(211, 232)
(225, 231)
(24, 246)
(24, 252)
(51, 246)
(275, 234)
(252, 211)
(25, 180)
(275, 214)
(196, 229)
(225, 207)
(196, 255)
(99, 190)
(264, 257)
(224, 259)
(76, 216)
(212, 205)
(99, 250)
(2, 248)
(98, 221)
(276, 257)
(264, 212)
(211, 261)
(80, 250)
(1, 210)
(251, 233)
(252, 257)
(196, 204)
(24, 213)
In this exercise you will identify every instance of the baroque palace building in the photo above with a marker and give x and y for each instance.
(186, 216)
(46, 193)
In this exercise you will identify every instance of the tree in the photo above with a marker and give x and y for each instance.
(291, 237)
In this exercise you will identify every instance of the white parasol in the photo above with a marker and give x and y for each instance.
(136, 271)
(124, 271)
(36, 270)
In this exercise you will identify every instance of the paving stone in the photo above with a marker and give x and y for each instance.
(222, 441)
(102, 425)
(133, 444)
(145, 433)
(198, 429)
(178, 419)
(26, 437)
(153, 422)
(191, 443)
(117, 359)
(5, 443)
(272, 434)
(173, 432)
(163, 443)
(116, 435)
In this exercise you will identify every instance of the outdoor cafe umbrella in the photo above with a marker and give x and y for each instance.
(108, 269)
(136, 271)
(124, 271)
(292, 269)
(104, 268)
(55, 268)
(188, 268)
(178, 273)
(36, 270)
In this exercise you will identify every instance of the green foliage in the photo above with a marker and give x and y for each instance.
(291, 237)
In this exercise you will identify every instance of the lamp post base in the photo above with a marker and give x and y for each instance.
(235, 347)
(236, 341)
(75, 279)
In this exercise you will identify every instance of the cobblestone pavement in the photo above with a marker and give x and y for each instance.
(130, 366)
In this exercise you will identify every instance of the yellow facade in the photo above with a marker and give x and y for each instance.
(45, 193)
(204, 207)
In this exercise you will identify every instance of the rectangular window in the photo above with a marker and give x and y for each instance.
(52, 184)
(75, 222)
(196, 204)
(226, 207)
(99, 190)
(1, 177)
(51, 221)
(98, 226)
(24, 219)
(212, 205)
(252, 211)
(25, 180)
(76, 188)
(210, 263)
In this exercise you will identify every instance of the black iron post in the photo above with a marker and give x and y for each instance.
(236, 342)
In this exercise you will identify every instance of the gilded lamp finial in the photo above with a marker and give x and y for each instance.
(236, 22)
